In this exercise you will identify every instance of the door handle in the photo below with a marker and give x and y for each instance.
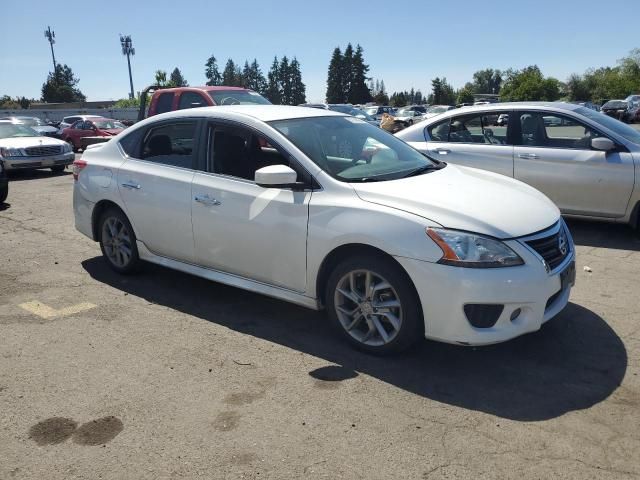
(528, 155)
(131, 185)
(207, 200)
(442, 151)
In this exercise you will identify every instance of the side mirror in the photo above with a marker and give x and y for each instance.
(276, 176)
(602, 143)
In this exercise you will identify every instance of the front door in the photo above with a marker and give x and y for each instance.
(555, 156)
(155, 184)
(244, 229)
(473, 140)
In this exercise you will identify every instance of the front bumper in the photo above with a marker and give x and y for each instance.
(21, 163)
(445, 290)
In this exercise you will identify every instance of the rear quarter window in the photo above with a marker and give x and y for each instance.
(131, 143)
(164, 102)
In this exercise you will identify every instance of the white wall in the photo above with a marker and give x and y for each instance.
(55, 115)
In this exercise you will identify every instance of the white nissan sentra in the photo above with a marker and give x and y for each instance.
(326, 211)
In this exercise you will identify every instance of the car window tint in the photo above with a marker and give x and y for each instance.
(239, 153)
(478, 128)
(164, 102)
(170, 144)
(542, 129)
(131, 143)
(191, 100)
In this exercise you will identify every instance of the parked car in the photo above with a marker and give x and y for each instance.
(179, 98)
(70, 120)
(633, 98)
(21, 147)
(344, 108)
(96, 127)
(620, 109)
(34, 122)
(434, 110)
(326, 211)
(408, 117)
(4, 183)
(421, 109)
(586, 162)
(377, 112)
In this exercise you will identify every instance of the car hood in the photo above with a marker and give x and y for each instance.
(24, 142)
(44, 129)
(111, 131)
(467, 199)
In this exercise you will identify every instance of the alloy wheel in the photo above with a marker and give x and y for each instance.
(116, 240)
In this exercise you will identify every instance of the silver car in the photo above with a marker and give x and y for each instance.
(586, 162)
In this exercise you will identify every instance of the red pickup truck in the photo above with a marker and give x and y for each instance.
(178, 98)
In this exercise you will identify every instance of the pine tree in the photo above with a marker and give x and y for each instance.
(358, 91)
(161, 78)
(229, 74)
(176, 79)
(211, 72)
(284, 78)
(274, 91)
(258, 82)
(238, 77)
(298, 89)
(348, 76)
(61, 86)
(335, 78)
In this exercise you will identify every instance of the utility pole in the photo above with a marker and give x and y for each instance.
(128, 50)
(50, 36)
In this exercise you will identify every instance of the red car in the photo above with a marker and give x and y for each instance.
(96, 127)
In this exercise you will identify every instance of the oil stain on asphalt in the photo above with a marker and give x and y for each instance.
(56, 430)
(226, 421)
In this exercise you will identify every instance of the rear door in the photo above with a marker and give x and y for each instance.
(555, 156)
(155, 184)
(473, 140)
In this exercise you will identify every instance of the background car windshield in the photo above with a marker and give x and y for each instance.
(30, 121)
(615, 104)
(372, 111)
(616, 126)
(108, 124)
(352, 150)
(238, 97)
(437, 109)
(10, 130)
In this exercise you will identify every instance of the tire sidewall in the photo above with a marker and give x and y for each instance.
(412, 329)
(134, 263)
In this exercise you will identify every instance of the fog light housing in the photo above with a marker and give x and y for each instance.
(481, 315)
(515, 314)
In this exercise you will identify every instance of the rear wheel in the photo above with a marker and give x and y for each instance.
(118, 242)
(373, 303)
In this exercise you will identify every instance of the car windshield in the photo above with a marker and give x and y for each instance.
(612, 124)
(108, 124)
(349, 110)
(352, 150)
(12, 130)
(372, 110)
(615, 104)
(30, 121)
(438, 109)
(238, 97)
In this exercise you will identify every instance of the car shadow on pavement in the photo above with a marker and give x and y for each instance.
(20, 175)
(574, 362)
(604, 235)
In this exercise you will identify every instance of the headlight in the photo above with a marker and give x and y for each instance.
(66, 148)
(471, 250)
(11, 152)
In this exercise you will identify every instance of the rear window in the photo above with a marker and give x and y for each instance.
(164, 103)
(238, 97)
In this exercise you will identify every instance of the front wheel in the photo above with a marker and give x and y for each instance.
(373, 303)
(118, 242)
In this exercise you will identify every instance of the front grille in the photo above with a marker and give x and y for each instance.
(550, 248)
(44, 151)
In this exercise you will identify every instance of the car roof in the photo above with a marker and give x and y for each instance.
(264, 113)
(205, 88)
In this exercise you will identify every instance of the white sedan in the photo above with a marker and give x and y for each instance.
(326, 211)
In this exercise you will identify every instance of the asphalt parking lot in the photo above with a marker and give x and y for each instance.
(164, 375)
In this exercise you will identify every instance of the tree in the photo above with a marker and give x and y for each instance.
(61, 86)
(8, 103)
(335, 78)
(487, 81)
(398, 99)
(465, 95)
(229, 73)
(379, 93)
(347, 73)
(253, 77)
(358, 91)
(284, 79)
(161, 78)
(298, 88)
(576, 88)
(274, 91)
(441, 92)
(176, 79)
(211, 72)
(529, 84)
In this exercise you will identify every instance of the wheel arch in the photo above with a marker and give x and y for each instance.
(101, 207)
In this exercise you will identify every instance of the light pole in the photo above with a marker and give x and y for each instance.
(50, 36)
(128, 50)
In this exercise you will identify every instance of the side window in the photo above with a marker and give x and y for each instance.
(476, 129)
(191, 100)
(239, 153)
(131, 143)
(439, 132)
(77, 125)
(164, 103)
(170, 144)
(542, 129)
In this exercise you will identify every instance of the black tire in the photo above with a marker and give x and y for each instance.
(410, 122)
(4, 193)
(133, 264)
(58, 168)
(411, 328)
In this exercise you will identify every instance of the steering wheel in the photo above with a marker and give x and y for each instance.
(230, 101)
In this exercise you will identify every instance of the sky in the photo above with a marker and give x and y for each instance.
(406, 42)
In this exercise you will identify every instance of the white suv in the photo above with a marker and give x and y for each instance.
(327, 211)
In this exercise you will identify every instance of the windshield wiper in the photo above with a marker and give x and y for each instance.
(421, 170)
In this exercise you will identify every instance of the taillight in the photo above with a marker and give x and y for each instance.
(78, 165)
